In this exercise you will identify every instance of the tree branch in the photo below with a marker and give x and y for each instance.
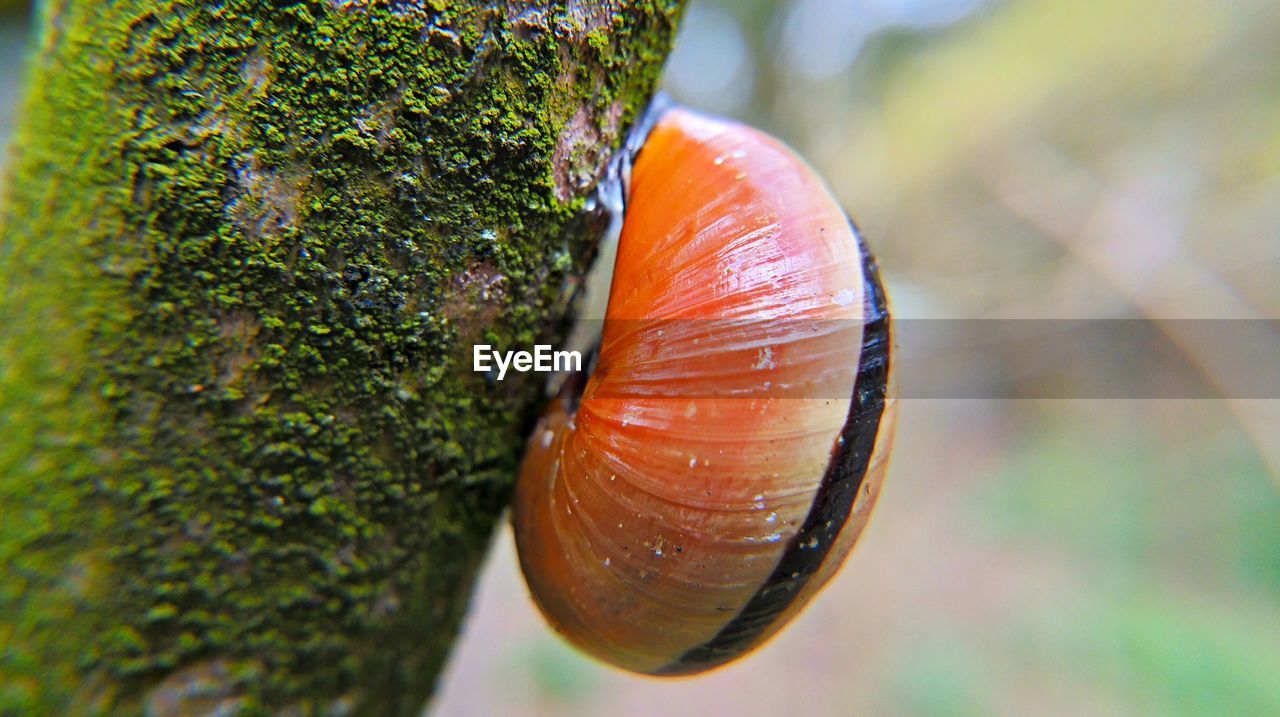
(246, 250)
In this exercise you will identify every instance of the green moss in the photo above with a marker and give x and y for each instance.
(245, 252)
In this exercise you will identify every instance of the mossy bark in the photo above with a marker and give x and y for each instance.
(246, 249)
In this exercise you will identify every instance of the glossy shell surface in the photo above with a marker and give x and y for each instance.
(729, 445)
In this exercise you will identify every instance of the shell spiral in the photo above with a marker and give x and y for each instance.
(727, 450)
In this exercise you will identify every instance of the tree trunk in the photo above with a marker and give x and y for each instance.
(247, 247)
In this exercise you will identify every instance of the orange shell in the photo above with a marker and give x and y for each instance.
(658, 525)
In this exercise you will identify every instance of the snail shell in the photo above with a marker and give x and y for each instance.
(728, 447)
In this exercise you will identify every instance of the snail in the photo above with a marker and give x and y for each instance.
(679, 505)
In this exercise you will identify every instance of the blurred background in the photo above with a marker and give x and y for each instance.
(1029, 159)
(1037, 159)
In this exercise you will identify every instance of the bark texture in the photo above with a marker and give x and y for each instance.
(245, 466)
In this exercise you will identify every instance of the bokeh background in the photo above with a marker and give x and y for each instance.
(1032, 159)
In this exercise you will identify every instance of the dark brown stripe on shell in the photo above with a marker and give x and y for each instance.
(834, 500)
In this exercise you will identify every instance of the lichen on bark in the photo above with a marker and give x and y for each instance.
(245, 250)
